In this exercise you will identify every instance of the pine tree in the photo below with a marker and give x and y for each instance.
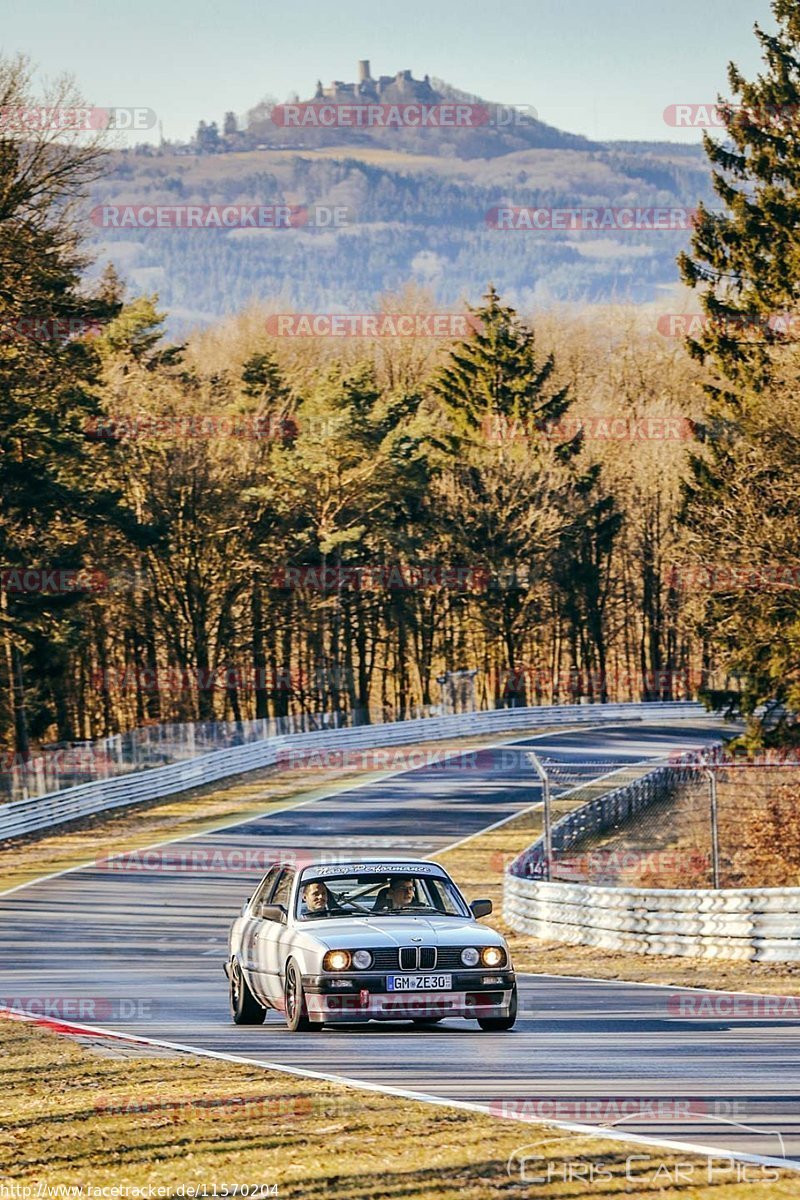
(745, 258)
(506, 489)
(743, 496)
(495, 378)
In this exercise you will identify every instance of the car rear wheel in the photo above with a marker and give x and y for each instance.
(245, 1009)
(295, 1007)
(499, 1024)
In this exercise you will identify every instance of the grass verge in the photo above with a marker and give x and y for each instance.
(74, 1118)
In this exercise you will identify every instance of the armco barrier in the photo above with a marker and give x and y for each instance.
(753, 924)
(27, 816)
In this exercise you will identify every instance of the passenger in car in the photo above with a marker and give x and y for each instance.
(318, 898)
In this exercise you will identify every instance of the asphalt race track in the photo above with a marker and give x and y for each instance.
(142, 949)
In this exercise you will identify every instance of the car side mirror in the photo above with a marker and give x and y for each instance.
(244, 906)
(481, 908)
(273, 912)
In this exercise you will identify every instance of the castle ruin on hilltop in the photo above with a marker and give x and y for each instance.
(393, 89)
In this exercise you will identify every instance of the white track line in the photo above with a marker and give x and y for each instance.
(425, 1097)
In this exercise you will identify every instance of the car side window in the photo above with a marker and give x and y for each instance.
(262, 895)
(284, 888)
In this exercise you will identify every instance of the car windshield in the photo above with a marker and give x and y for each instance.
(366, 894)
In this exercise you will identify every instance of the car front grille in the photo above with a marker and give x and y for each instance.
(445, 958)
(384, 960)
(450, 958)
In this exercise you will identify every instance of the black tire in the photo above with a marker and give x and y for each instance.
(500, 1024)
(295, 1008)
(245, 1009)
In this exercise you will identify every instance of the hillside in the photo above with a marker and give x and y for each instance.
(417, 208)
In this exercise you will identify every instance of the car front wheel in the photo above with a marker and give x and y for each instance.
(499, 1024)
(295, 1007)
(245, 1009)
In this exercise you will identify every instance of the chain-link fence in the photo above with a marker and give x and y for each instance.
(58, 767)
(713, 823)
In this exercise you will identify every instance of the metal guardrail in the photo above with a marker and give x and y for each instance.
(57, 768)
(41, 812)
(751, 924)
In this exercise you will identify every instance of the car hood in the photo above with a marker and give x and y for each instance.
(374, 932)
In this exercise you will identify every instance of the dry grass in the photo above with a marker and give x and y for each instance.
(74, 1118)
(669, 844)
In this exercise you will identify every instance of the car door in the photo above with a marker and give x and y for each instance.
(270, 939)
(254, 923)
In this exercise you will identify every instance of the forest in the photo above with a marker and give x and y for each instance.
(567, 503)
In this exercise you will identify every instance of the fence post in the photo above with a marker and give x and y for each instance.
(712, 796)
(546, 806)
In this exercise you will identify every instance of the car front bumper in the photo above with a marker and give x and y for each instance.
(366, 999)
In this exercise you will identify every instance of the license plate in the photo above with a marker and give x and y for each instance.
(419, 983)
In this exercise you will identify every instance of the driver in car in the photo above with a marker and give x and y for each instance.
(399, 894)
(317, 898)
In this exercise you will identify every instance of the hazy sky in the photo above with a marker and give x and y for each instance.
(607, 70)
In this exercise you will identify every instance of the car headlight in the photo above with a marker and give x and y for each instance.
(493, 956)
(470, 957)
(362, 959)
(336, 960)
